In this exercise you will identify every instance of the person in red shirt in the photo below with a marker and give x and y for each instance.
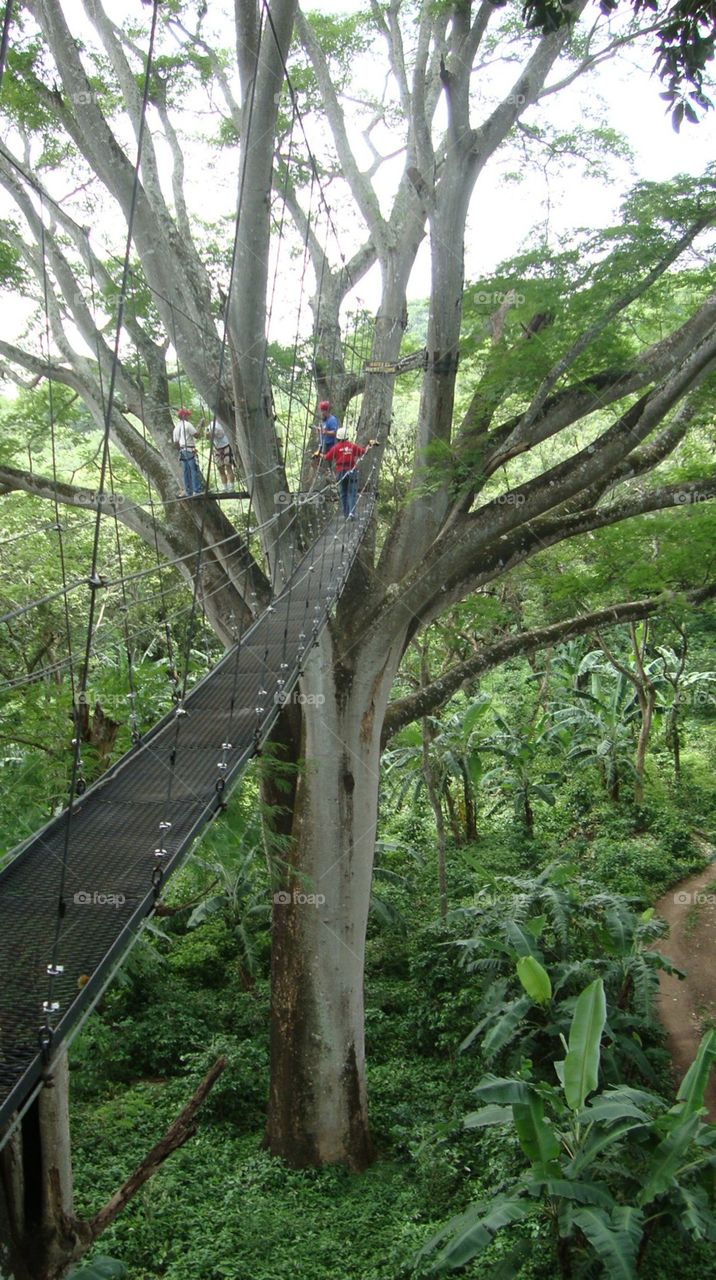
(345, 454)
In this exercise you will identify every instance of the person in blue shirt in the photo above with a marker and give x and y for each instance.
(326, 428)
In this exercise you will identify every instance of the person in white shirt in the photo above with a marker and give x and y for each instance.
(185, 439)
(223, 456)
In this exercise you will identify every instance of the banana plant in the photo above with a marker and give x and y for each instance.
(681, 689)
(601, 1167)
(601, 720)
(456, 762)
(521, 751)
(559, 920)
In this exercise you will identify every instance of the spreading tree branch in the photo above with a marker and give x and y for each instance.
(592, 331)
(434, 695)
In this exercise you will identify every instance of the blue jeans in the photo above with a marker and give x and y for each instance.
(348, 491)
(193, 482)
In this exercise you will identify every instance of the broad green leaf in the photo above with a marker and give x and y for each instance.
(535, 1132)
(581, 1065)
(536, 925)
(615, 1239)
(668, 1157)
(543, 793)
(579, 1192)
(470, 1038)
(503, 1029)
(520, 940)
(621, 923)
(503, 1091)
(472, 1234)
(473, 714)
(534, 979)
(597, 1142)
(697, 1216)
(693, 1085)
(488, 1115)
(609, 1107)
(210, 906)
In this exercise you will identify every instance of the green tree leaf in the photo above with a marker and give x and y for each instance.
(535, 1132)
(693, 1086)
(473, 1231)
(668, 1157)
(534, 979)
(581, 1065)
(614, 1239)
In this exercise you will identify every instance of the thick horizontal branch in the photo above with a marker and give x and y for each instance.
(435, 695)
(550, 530)
(641, 460)
(111, 504)
(526, 543)
(575, 402)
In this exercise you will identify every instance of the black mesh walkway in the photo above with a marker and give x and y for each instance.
(116, 836)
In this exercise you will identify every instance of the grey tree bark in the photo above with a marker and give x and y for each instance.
(442, 546)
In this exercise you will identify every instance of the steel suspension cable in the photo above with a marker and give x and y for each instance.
(94, 582)
(172, 673)
(53, 444)
(118, 541)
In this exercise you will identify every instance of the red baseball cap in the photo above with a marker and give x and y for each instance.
(183, 413)
(324, 404)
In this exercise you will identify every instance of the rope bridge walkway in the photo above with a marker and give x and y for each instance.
(102, 862)
(74, 896)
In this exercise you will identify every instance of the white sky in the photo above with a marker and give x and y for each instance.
(622, 94)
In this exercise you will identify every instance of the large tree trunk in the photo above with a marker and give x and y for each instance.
(318, 1104)
(36, 1187)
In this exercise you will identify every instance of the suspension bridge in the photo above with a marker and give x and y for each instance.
(76, 894)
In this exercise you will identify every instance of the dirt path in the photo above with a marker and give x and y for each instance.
(688, 1007)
